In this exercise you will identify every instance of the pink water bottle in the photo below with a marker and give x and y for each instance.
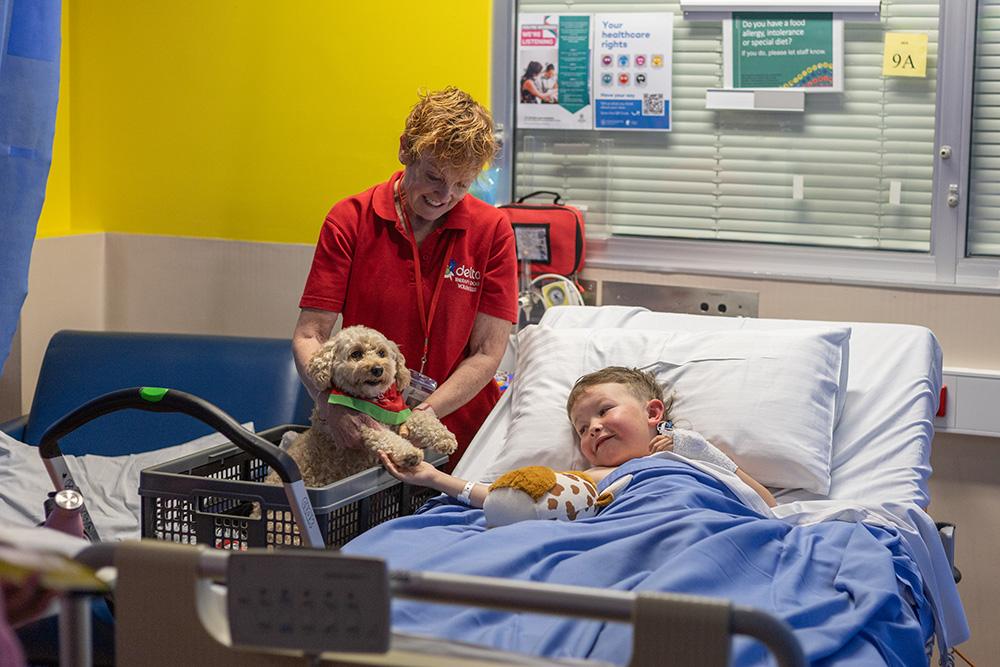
(66, 515)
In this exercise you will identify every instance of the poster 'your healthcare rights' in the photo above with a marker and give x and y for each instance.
(607, 71)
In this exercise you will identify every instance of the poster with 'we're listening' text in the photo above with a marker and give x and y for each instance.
(553, 71)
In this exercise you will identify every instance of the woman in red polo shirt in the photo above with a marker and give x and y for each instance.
(428, 265)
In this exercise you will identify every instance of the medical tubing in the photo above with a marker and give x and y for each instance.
(170, 401)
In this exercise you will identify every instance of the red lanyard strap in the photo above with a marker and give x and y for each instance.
(426, 316)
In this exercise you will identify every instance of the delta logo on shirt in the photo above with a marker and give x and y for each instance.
(464, 277)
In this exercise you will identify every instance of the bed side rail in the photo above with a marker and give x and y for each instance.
(663, 622)
(947, 532)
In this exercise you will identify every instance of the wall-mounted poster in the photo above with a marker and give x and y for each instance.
(633, 59)
(784, 50)
(553, 71)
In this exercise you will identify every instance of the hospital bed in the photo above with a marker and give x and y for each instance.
(873, 386)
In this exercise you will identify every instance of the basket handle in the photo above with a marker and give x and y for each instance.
(555, 196)
(157, 399)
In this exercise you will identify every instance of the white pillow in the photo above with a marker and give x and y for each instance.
(769, 399)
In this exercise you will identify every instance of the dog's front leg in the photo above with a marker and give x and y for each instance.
(402, 452)
(426, 430)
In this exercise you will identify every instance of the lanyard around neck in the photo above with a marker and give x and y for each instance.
(426, 316)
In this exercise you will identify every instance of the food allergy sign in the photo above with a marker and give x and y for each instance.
(767, 50)
(633, 59)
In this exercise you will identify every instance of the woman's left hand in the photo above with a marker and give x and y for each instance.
(661, 443)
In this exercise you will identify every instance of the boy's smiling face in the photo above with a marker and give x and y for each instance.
(613, 425)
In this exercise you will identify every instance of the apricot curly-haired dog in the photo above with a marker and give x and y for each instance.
(365, 371)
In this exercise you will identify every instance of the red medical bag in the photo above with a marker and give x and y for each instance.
(550, 236)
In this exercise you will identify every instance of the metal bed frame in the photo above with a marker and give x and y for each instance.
(165, 614)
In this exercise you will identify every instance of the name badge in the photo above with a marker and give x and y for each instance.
(421, 386)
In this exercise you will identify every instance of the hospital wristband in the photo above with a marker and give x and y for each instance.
(466, 495)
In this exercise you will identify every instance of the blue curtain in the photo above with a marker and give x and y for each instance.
(29, 89)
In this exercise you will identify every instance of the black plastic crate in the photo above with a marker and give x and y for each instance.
(210, 498)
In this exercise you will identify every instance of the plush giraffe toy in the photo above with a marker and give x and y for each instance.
(539, 492)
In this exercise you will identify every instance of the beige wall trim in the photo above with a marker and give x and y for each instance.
(10, 380)
(66, 284)
(136, 282)
(212, 286)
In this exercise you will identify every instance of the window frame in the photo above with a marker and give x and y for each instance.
(944, 268)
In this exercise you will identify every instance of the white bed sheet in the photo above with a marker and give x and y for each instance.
(881, 445)
(109, 484)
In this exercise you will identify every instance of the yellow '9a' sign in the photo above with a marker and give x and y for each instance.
(905, 54)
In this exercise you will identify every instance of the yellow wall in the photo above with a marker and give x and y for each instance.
(246, 120)
(55, 217)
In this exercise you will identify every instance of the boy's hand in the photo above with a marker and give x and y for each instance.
(422, 474)
(661, 443)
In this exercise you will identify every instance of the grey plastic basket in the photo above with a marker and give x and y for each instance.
(209, 498)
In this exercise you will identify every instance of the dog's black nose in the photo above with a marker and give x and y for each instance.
(377, 371)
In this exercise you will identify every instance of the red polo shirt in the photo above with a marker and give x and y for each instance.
(363, 268)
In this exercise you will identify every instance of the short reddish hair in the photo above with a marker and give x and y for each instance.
(451, 127)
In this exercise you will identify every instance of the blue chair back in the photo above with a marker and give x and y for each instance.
(253, 379)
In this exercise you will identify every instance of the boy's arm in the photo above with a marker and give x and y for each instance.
(693, 445)
(757, 486)
(424, 474)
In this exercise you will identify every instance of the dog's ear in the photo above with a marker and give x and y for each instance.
(402, 372)
(320, 366)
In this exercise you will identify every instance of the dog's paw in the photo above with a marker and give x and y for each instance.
(446, 443)
(427, 430)
(408, 459)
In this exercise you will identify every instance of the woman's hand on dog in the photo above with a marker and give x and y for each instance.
(344, 424)
(422, 474)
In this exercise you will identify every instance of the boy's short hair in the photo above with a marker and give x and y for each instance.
(641, 384)
(451, 127)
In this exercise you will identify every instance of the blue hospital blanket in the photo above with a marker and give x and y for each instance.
(850, 591)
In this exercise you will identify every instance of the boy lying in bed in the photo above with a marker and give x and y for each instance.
(851, 591)
(618, 414)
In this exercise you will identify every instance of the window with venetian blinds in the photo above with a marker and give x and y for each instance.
(864, 156)
(983, 234)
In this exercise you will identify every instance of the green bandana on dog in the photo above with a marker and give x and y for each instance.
(388, 407)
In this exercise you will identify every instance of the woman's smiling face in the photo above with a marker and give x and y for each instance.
(433, 189)
(613, 425)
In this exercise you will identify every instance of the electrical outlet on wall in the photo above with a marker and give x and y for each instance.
(675, 299)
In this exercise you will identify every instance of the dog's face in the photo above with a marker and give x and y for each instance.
(359, 361)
